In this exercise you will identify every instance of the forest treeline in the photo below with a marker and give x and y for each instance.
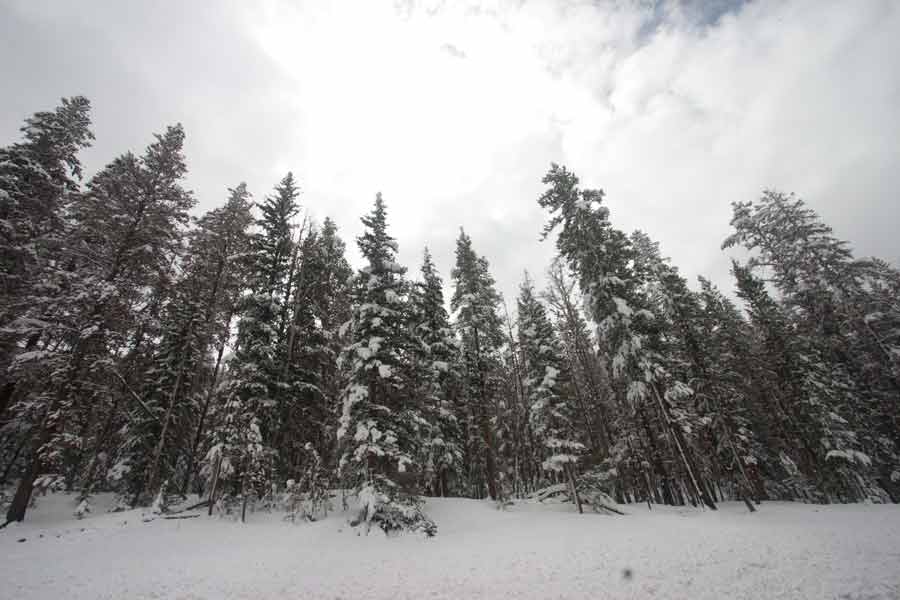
(239, 356)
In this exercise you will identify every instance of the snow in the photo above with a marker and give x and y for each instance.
(622, 306)
(850, 456)
(530, 550)
(550, 375)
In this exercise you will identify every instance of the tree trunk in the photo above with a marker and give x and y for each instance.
(198, 436)
(485, 426)
(19, 505)
(213, 488)
(87, 484)
(668, 495)
(574, 489)
(153, 478)
(680, 442)
(15, 457)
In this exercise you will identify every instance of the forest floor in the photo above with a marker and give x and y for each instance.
(526, 551)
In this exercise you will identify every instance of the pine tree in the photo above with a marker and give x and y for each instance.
(826, 294)
(551, 411)
(39, 176)
(609, 272)
(194, 326)
(821, 454)
(318, 307)
(727, 393)
(255, 389)
(380, 420)
(436, 354)
(475, 302)
(332, 298)
(126, 232)
(590, 380)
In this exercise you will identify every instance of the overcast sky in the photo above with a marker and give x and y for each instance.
(454, 110)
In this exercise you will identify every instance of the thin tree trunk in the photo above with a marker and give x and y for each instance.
(486, 432)
(153, 479)
(668, 493)
(15, 457)
(19, 505)
(198, 436)
(213, 488)
(87, 484)
(574, 489)
(682, 451)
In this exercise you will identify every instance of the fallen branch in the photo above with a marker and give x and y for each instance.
(194, 516)
(601, 506)
(192, 507)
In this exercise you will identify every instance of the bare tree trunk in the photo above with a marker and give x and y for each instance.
(15, 457)
(574, 489)
(19, 505)
(485, 426)
(668, 494)
(678, 437)
(213, 488)
(90, 475)
(198, 436)
(153, 478)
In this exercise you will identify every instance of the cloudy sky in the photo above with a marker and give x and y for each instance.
(455, 109)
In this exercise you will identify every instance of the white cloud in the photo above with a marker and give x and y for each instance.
(673, 122)
(674, 113)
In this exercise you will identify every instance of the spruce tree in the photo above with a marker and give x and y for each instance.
(610, 276)
(126, 232)
(195, 325)
(475, 302)
(590, 380)
(546, 373)
(243, 450)
(822, 456)
(436, 353)
(828, 295)
(380, 423)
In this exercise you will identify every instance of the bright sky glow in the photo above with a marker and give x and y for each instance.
(454, 110)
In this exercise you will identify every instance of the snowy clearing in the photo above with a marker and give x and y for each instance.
(528, 551)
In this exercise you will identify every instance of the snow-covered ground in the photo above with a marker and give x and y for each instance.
(527, 551)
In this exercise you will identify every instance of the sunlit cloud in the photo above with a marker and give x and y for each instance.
(454, 110)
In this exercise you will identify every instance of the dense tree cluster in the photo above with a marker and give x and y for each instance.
(239, 356)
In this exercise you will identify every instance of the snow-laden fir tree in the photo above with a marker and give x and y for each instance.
(724, 367)
(331, 297)
(125, 233)
(243, 451)
(682, 345)
(829, 298)
(475, 304)
(813, 401)
(590, 380)
(436, 353)
(381, 422)
(551, 409)
(39, 178)
(196, 320)
(318, 302)
(615, 297)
